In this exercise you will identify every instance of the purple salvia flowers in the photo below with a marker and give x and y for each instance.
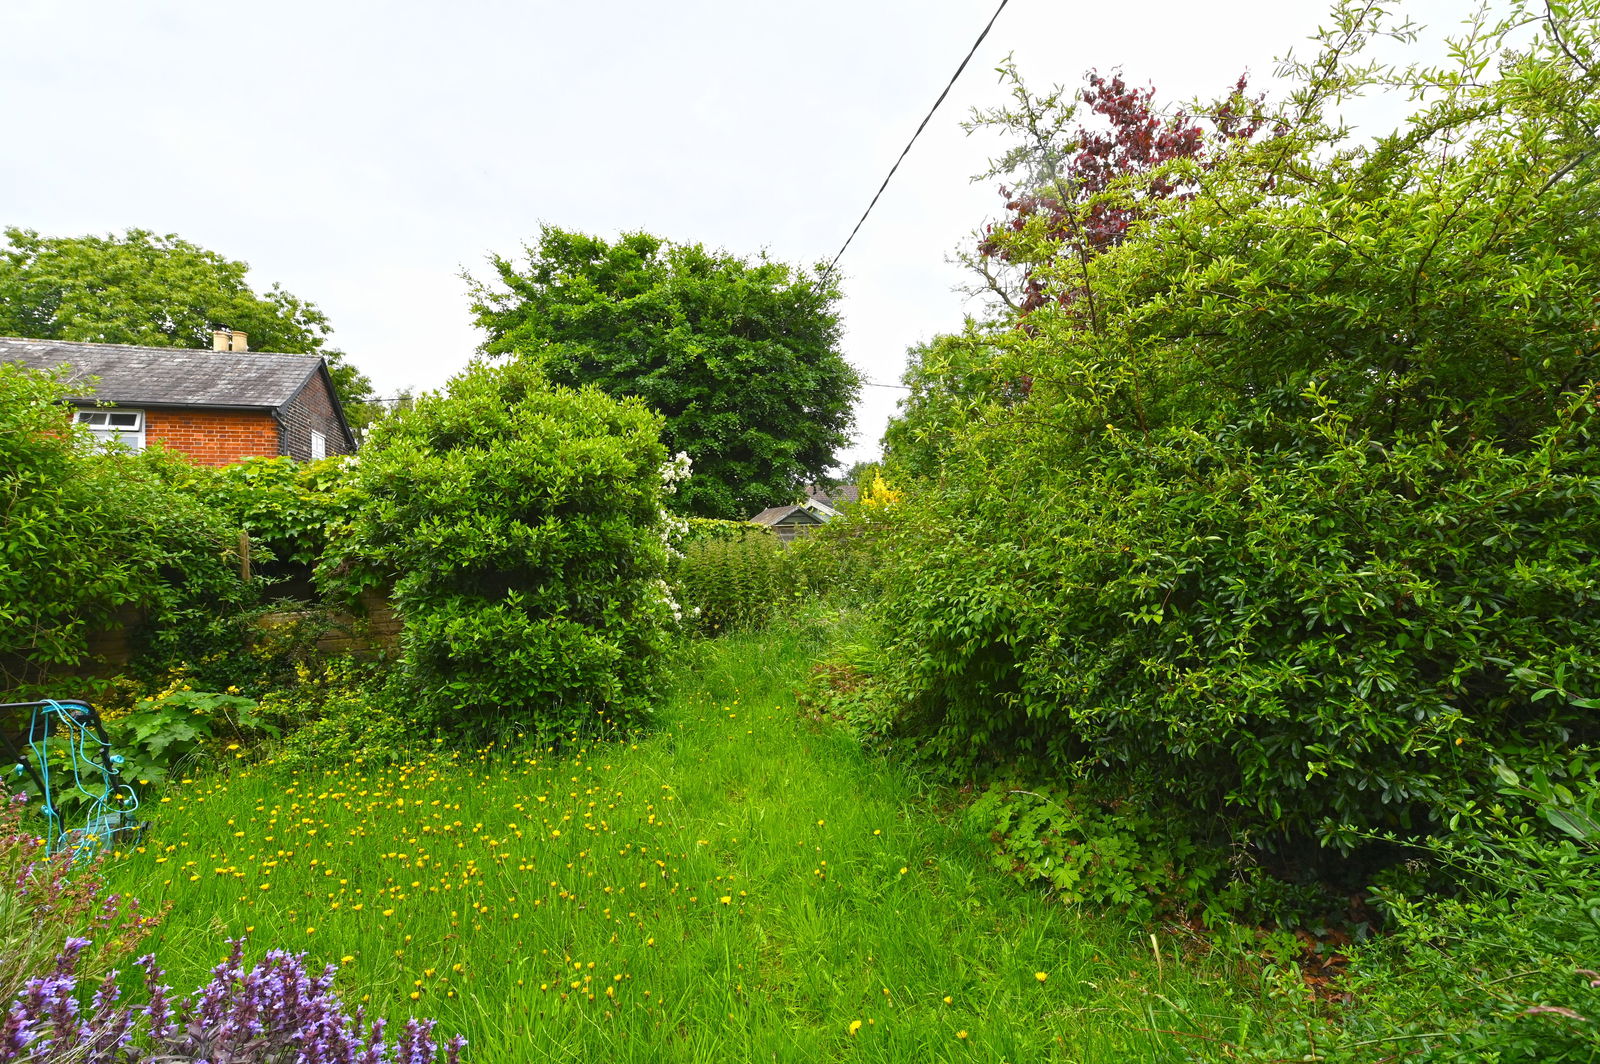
(272, 1013)
(373, 1054)
(111, 1027)
(158, 1013)
(45, 1021)
(15, 1034)
(67, 961)
(416, 1046)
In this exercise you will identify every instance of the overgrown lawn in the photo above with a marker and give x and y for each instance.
(741, 885)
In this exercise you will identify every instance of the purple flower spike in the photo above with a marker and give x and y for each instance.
(157, 1012)
(14, 1035)
(67, 961)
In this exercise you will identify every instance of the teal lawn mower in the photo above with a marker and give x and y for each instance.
(61, 748)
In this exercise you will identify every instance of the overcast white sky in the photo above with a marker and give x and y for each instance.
(364, 153)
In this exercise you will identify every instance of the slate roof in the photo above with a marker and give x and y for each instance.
(171, 376)
(845, 493)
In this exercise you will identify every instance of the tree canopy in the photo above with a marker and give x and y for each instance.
(950, 379)
(1073, 190)
(741, 358)
(157, 291)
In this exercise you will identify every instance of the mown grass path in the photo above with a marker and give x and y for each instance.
(740, 886)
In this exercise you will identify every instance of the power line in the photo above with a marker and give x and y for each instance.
(904, 152)
(972, 51)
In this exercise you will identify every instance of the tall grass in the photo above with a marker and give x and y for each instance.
(741, 885)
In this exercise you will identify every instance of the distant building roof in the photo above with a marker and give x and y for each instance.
(171, 376)
(833, 497)
(777, 515)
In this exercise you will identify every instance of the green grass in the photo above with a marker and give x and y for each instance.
(742, 885)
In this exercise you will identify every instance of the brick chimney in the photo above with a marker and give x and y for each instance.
(230, 340)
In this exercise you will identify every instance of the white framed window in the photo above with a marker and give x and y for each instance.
(117, 426)
(319, 445)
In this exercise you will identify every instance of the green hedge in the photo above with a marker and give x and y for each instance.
(85, 535)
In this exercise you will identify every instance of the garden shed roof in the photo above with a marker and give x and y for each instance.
(797, 514)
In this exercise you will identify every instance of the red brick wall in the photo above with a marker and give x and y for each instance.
(312, 409)
(213, 437)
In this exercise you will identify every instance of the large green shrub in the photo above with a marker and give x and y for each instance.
(1296, 521)
(521, 526)
(1313, 636)
(87, 536)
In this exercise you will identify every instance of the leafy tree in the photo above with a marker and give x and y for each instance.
(952, 379)
(368, 412)
(157, 291)
(1073, 190)
(858, 472)
(740, 358)
(1061, 170)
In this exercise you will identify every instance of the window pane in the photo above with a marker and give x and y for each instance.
(122, 428)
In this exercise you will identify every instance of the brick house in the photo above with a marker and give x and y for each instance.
(216, 407)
